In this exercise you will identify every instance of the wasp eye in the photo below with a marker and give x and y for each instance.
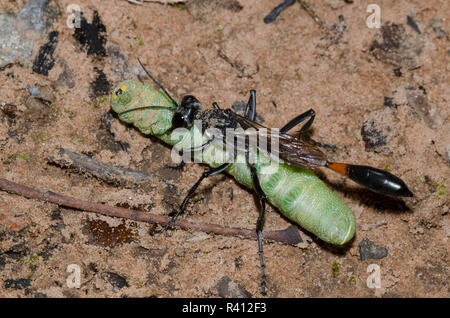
(119, 92)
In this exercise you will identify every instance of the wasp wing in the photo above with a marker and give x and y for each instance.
(294, 150)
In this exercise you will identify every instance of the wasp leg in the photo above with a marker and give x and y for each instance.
(260, 223)
(273, 15)
(205, 175)
(189, 150)
(215, 105)
(195, 149)
(250, 110)
(297, 120)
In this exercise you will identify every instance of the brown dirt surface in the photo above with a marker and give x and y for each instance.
(380, 95)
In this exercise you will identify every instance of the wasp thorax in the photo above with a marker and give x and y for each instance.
(185, 113)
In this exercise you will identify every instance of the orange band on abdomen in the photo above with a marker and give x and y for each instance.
(338, 167)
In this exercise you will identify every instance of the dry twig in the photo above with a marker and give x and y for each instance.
(107, 173)
(290, 235)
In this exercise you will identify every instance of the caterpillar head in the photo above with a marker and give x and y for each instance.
(122, 96)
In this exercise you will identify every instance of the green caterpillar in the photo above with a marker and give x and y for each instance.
(294, 190)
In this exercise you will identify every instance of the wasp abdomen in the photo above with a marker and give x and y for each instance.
(378, 180)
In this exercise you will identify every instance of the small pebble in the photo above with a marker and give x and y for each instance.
(227, 288)
(179, 251)
(34, 91)
(136, 71)
(115, 280)
(20, 283)
(368, 250)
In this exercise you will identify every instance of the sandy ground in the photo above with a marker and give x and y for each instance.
(381, 96)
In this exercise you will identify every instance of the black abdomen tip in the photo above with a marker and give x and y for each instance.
(379, 180)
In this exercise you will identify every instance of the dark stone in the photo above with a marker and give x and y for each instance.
(9, 110)
(19, 32)
(100, 86)
(52, 13)
(397, 72)
(65, 78)
(202, 9)
(39, 15)
(398, 47)
(92, 36)
(418, 100)
(116, 280)
(388, 102)
(338, 29)
(146, 253)
(69, 294)
(93, 267)
(18, 251)
(433, 276)
(45, 61)
(119, 63)
(423, 89)
(372, 136)
(393, 35)
(56, 215)
(368, 250)
(226, 288)
(13, 133)
(20, 283)
(410, 21)
(2, 263)
(106, 138)
(435, 24)
(47, 250)
(230, 193)
(238, 262)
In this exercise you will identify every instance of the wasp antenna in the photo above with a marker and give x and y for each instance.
(372, 178)
(157, 83)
